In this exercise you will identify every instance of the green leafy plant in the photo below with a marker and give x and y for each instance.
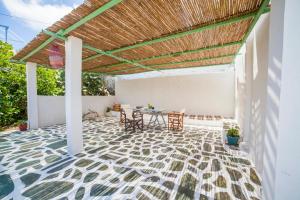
(13, 95)
(50, 82)
(233, 132)
(22, 122)
(93, 84)
(108, 109)
(150, 106)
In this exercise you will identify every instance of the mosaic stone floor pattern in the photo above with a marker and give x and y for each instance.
(154, 164)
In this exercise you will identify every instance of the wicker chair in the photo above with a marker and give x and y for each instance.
(175, 121)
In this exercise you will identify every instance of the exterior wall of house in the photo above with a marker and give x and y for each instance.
(281, 174)
(251, 90)
(207, 94)
(51, 109)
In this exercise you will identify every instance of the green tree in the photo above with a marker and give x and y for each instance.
(13, 99)
(93, 84)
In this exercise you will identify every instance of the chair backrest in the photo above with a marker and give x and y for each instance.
(128, 112)
(137, 114)
(125, 106)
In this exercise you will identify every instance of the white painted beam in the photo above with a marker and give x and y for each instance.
(32, 100)
(73, 101)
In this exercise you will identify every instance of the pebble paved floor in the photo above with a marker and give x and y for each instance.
(192, 164)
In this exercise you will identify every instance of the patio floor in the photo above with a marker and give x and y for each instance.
(116, 165)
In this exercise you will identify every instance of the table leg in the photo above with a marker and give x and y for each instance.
(150, 120)
(156, 120)
(163, 120)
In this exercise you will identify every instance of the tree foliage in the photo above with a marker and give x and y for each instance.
(13, 96)
(93, 84)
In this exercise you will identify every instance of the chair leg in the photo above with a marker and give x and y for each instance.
(140, 125)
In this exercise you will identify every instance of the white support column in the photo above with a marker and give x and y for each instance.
(73, 49)
(32, 99)
(281, 175)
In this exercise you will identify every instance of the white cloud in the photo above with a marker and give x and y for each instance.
(37, 14)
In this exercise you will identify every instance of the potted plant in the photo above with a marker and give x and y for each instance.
(150, 106)
(233, 136)
(22, 125)
(108, 112)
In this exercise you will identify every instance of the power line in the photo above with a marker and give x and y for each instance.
(6, 32)
(16, 35)
(1, 38)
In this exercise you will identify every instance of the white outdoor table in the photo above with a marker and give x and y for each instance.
(154, 119)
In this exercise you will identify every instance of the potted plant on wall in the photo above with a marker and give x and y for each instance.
(150, 106)
(233, 136)
(22, 125)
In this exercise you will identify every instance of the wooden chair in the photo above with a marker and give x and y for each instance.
(138, 120)
(124, 108)
(175, 121)
(122, 116)
(132, 120)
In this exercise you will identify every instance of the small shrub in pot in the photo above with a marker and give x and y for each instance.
(22, 125)
(233, 136)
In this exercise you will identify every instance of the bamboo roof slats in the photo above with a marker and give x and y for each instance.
(145, 35)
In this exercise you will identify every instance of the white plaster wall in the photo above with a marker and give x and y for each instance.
(251, 74)
(281, 175)
(97, 103)
(208, 93)
(51, 109)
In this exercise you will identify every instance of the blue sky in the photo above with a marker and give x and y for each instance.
(26, 18)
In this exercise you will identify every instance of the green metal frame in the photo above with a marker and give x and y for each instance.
(266, 10)
(61, 33)
(165, 69)
(58, 36)
(171, 54)
(263, 9)
(92, 15)
(174, 63)
(44, 44)
(181, 34)
(118, 58)
(74, 26)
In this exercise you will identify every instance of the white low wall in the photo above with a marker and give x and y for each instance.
(208, 94)
(52, 108)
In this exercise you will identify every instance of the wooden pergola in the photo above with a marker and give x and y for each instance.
(134, 36)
